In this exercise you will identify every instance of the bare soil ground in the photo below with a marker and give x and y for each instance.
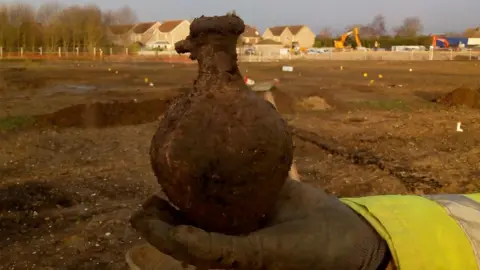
(74, 141)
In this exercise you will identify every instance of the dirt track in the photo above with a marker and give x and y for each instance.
(75, 138)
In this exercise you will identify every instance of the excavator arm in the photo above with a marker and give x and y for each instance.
(340, 44)
(439, 41)
(357, 37)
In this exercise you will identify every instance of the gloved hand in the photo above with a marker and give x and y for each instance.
(309, 230)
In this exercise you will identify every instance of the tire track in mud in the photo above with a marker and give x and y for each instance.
(412, 180)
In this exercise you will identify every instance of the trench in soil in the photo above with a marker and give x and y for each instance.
(121, 113)
(102, 115)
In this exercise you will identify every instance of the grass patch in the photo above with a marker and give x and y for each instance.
(385, 105)
(10, 123)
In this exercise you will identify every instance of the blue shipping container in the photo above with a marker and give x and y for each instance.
(455, 41)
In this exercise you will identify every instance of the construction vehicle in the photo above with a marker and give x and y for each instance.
(296, 49)
(440, 42)
(351, 36)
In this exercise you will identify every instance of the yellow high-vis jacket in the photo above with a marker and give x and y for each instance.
(435, 232)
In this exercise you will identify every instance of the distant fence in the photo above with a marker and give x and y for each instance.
(371, 55)
(173, 57)
(96, 55)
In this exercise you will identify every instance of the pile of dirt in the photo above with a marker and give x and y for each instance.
(100, 115)
(461, 97)
(314, 103)
(33, 196)
(3, 84)
(21, 79)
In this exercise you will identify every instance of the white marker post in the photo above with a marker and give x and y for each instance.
(459, 127)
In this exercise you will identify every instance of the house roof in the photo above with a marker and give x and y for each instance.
(142, 27)
(295, 28)
(168, 26)
(119, 29)
(278, 30)
(251, 31)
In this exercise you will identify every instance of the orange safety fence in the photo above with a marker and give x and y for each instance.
(89, 57)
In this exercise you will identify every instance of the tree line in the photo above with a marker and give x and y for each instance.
(54, 25)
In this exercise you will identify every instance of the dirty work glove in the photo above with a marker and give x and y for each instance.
(309, 230)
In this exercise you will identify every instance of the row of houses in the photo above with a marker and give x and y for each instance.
(150, 34)
(165, 34)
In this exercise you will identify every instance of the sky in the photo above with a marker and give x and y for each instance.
(437, 16)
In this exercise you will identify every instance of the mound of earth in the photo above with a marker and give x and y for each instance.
(3, 84)
(21, 79)
(99, 115)
(314, 103)
(461, 97)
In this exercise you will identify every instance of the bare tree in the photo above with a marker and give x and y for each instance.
(411, 27)
(367, 31)
(472, 32)
(94, 28)
(81, 26)
(122, 15)
(325, 33)
(454, 34)
(118, 22)
(67, 26)
(374, 29)
(21, 18)
(350, 27)
(47, 12)
(5, 27)
(47, 15)
(53, 25)
(379, 26)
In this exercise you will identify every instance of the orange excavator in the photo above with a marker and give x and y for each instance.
(351, 35)
(438, 41)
